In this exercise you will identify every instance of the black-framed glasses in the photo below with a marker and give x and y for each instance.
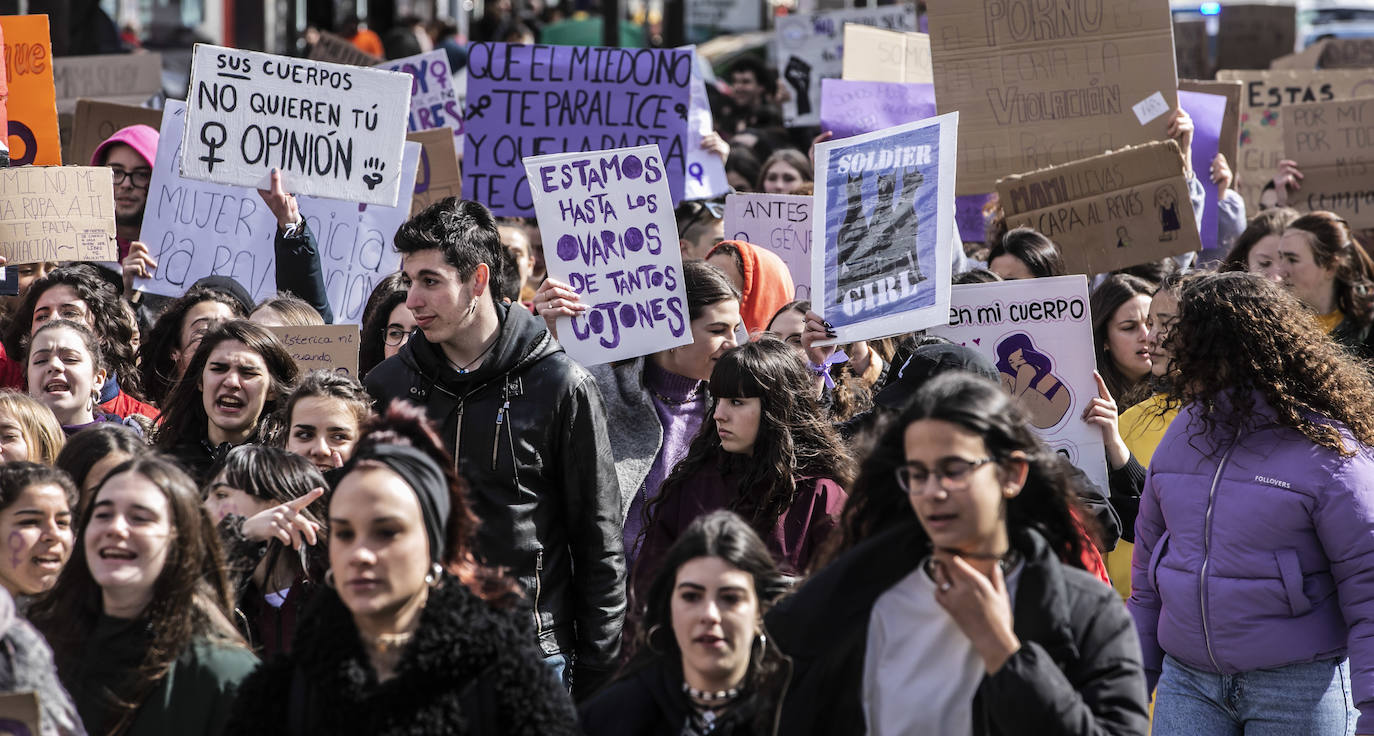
(952, 474)
(396, 336)
(138, 178)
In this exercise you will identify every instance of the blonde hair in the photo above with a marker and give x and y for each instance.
(42, 433)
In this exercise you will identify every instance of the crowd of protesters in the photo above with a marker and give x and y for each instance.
(747, 534)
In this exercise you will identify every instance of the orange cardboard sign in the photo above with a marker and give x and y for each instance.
(4, 93)
(32, 104)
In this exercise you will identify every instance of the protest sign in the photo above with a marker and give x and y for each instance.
(810, 47)
(1207, 112)
(95, 121)
(437, 176)
(339, 50)
(709, 18)
(705, 170)
(332, 348)
(127, 78)
(1348, 53)
(884, 231)
(32, 104)
(433, 100)
(57, 213)
(194, 229)
(333, 130)
(1229, 139)
(1044, 87)
(850, 108)
(1252, 36)
(876, 55)
(530, 100)
(777, 222)
(1333, 144)
(1110, 211)
(1305, 60)
(4, 119)
(609, 233)
(1039, 334)
(1264, 94)
(19, 714)
(1190, 49)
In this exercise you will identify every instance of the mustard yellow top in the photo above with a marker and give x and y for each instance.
(1330, 321)
(1142, 428)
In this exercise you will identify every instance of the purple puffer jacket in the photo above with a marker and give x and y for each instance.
(1256, 553)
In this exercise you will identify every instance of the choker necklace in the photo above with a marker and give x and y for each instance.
(388, 643)
(692, 395)
(1006, 561)
(711, 699)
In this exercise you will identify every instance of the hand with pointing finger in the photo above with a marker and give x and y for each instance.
(281, 202)
(285, 523)
(1101, 412)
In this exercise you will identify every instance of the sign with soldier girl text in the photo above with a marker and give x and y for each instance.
(1039, 334)
(884, 229)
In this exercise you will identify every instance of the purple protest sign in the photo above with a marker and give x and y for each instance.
(850, 108)
(609, 233)
(1207, 112)
(536, 100)
(433, 100)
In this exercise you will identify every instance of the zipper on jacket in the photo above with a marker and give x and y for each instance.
(458, 436)
(496, 436)
(1207, 553)
(538, 584)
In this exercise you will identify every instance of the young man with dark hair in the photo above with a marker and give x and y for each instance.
(528, 431)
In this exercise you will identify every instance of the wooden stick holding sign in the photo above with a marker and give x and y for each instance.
(609, 232)
(57, 213)
(333, 130)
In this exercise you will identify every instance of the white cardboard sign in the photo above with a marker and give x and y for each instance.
(333, 130)
(606, 218)
(1039, 334)
(195, 229)
(777, 222)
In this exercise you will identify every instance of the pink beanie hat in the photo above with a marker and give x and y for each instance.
(141, 138)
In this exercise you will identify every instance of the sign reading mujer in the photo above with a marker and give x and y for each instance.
(881, 265)
(333, 130)
(606, 218)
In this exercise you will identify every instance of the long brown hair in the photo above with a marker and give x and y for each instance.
(190, 598)
(1333, 246)
(1108, 297)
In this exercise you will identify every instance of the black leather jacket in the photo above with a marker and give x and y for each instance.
(530, 435)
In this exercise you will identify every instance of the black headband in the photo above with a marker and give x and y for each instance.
(424, 477)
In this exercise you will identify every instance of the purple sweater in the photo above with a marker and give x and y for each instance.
(1258, 554)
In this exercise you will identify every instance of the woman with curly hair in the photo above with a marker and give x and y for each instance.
(962, 615)
(1328, 270)
(766, 451)
(704, 663)
(1251, 576)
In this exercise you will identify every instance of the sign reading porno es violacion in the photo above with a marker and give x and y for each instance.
(333, 130)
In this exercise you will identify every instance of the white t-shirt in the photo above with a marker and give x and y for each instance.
(920, 671)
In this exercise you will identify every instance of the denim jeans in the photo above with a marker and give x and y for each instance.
(1311, 698)
(558, 663)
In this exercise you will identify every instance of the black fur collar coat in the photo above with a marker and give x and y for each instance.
(471, 669)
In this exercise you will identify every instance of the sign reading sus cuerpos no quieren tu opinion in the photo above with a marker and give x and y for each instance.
(1333, 144)
(322, 347)
(883, 234)
(777, 222)
(1038, 332)
(1108, 212)
(57, 213)
(333, 130)
(607, 222)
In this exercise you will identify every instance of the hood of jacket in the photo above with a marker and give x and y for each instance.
(767, 284)
(523, 340)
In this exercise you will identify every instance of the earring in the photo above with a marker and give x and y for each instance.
(329, 577)
(649, 638)
(435, 574)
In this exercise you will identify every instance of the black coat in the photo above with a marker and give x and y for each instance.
(1078, 670)
(528, 430)
(471, 669)
(650, 702)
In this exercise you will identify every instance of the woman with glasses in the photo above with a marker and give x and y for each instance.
(962, 617)
(386, 327)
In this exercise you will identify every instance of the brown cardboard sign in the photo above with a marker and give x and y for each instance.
(438, 175)
(329, 347)
(1190, 49)
(1230, 125)
(1333, 144)
(879, 55)
(1263, 94)
(1110, 211)
(19, 714)
(96, 120)
(1252, 36)
(335, 48)
(127, 78)
(1307, 59)
(57, 213)
(1348, 53)
(1049, 85)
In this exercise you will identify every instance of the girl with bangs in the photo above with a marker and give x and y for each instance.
(766, 452)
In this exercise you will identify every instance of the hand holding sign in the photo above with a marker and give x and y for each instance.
(556, 299)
